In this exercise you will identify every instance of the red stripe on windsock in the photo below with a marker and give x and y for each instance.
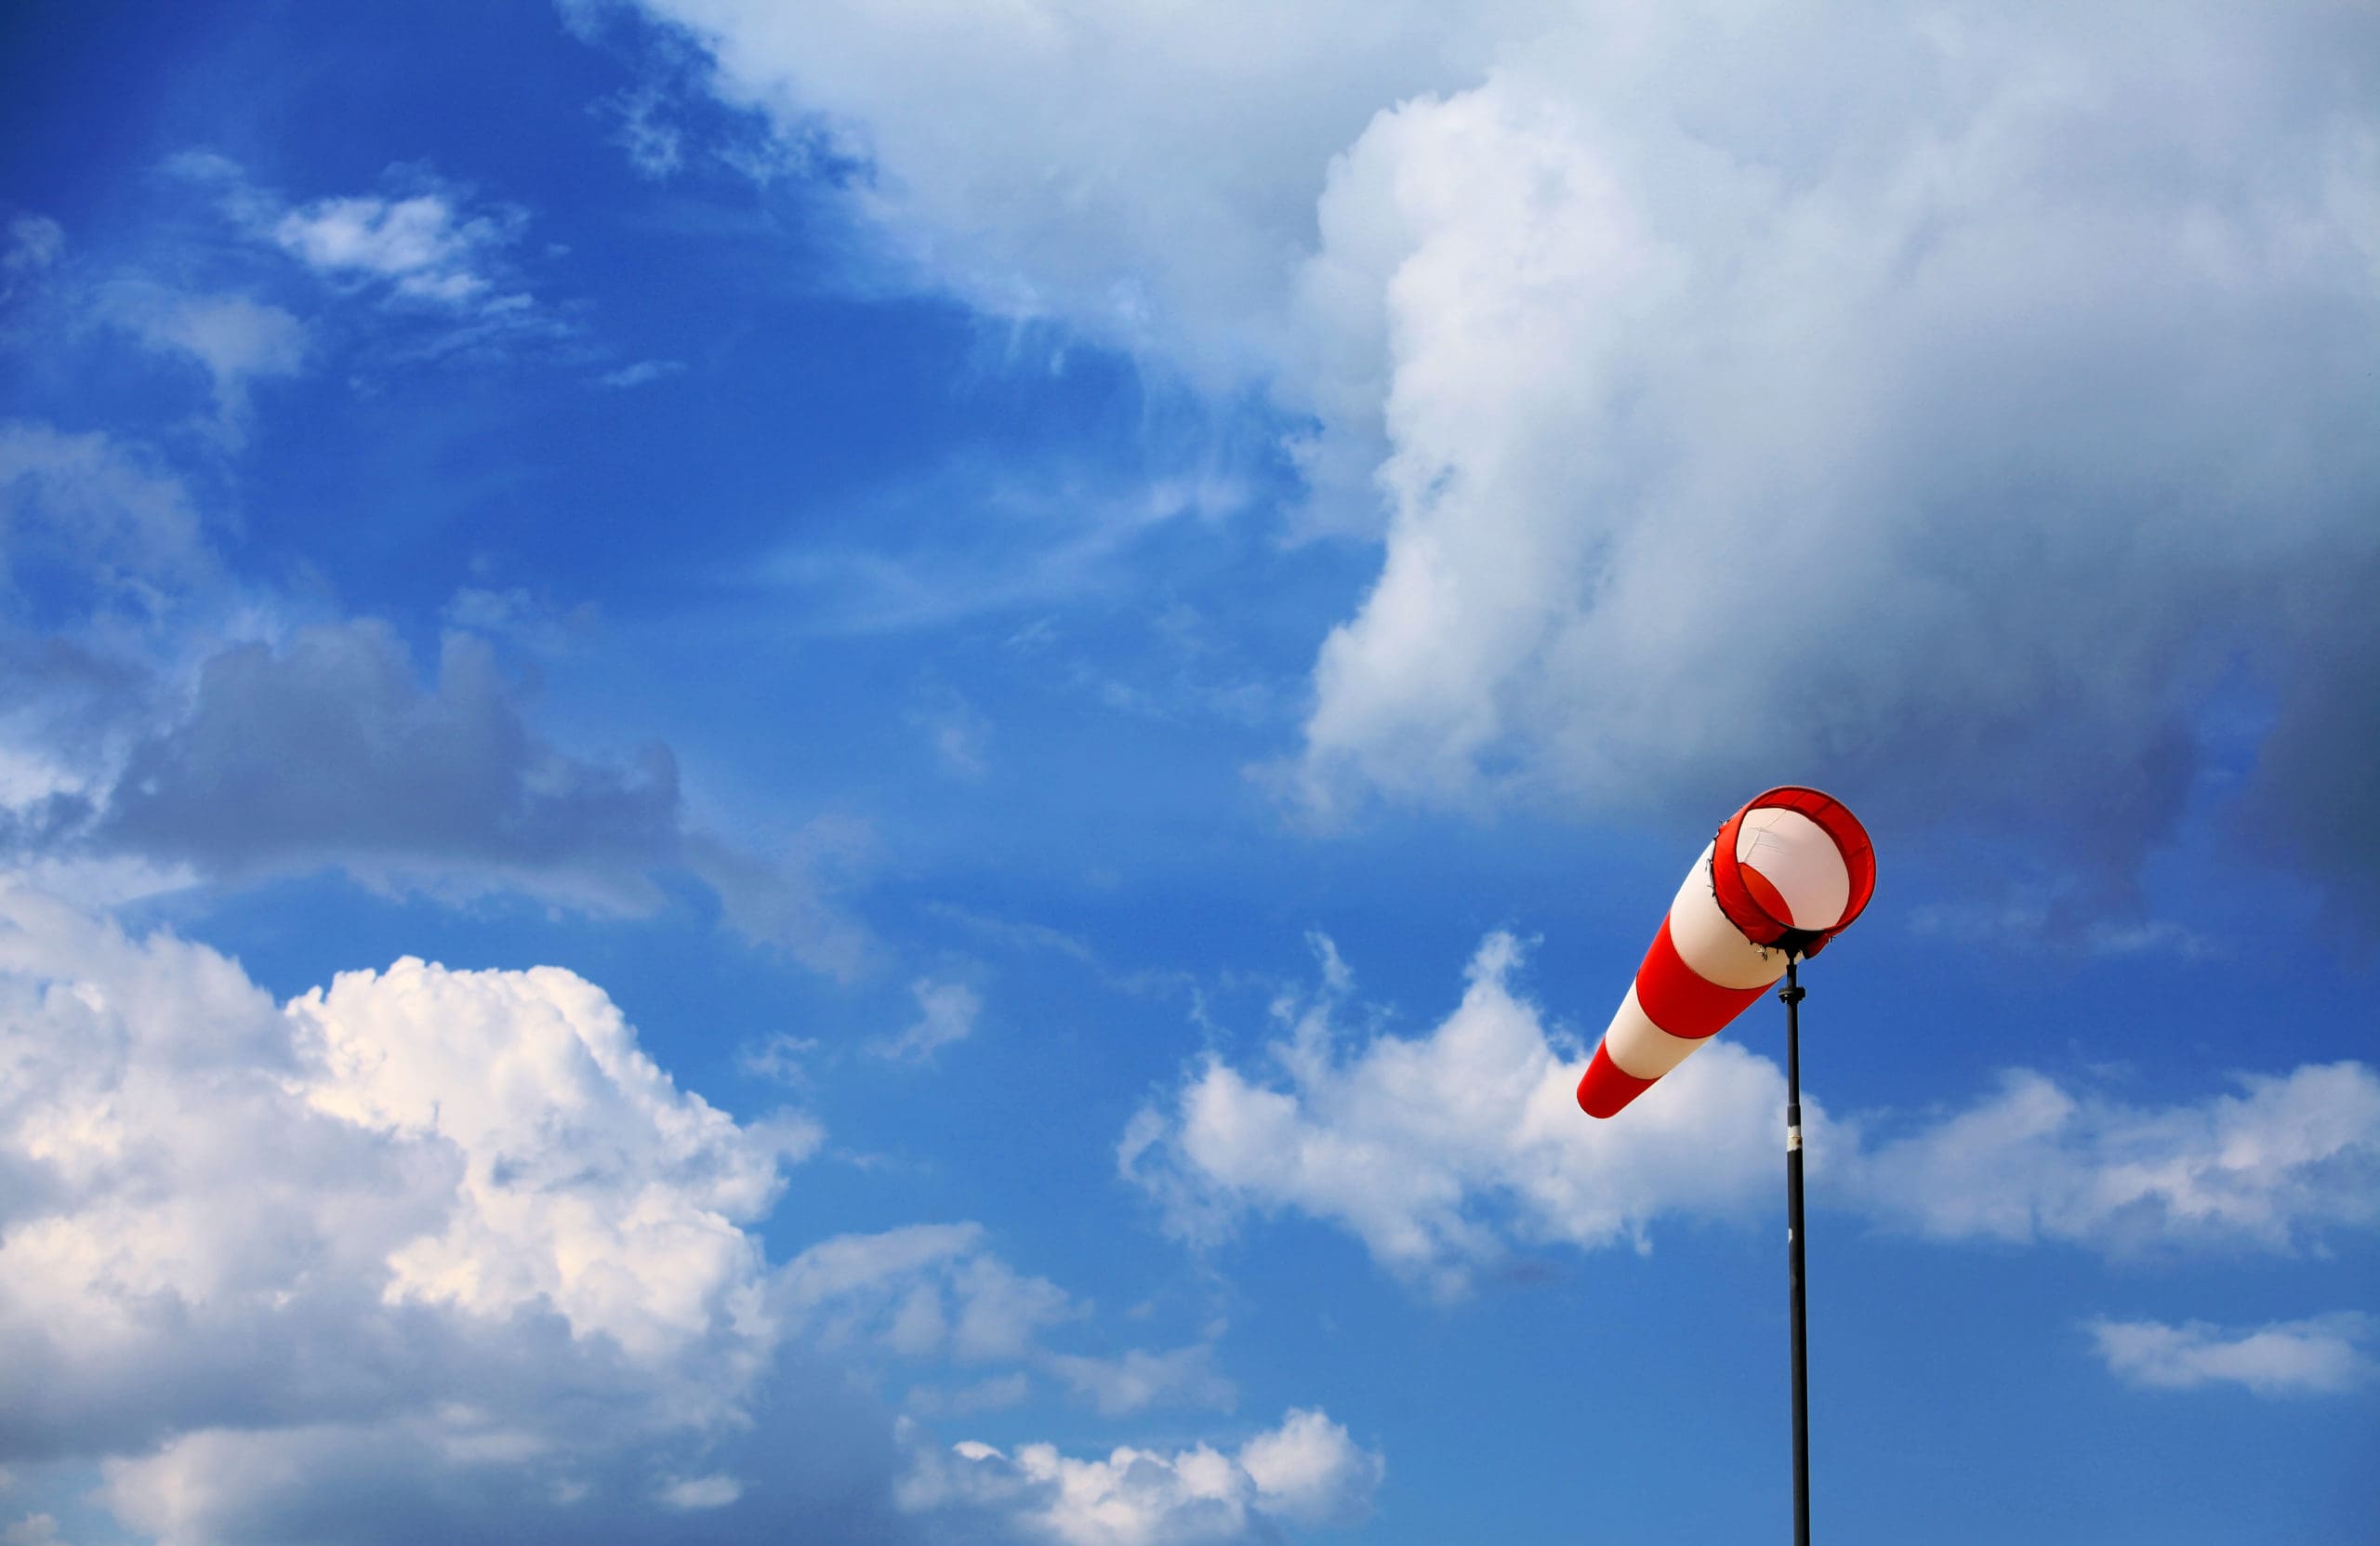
(1681, 1001)
(1764, 893)
(1606, 1088)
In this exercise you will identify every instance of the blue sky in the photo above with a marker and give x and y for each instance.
(871, 772)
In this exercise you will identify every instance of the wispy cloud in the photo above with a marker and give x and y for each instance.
(35, 243)
(1141, 1379)
(946, 1014)
(424, 246)
(642, 129)
(236, 339)
(2324, 1355)
(640, 374)
(429, 254)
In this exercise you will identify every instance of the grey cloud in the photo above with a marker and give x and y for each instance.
(130, 731)
(327, 751)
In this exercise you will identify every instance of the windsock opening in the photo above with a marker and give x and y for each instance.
(1792, 869)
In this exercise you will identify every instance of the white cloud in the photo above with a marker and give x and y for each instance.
(923, 1292)
(1149, 173)
(592, 1185)
(998, 1393)
(514, 614)
(655, 146)
(1140, 1379)
(451, 1242)
(1444, 1150)
(641, 373)
(2273, 1167)
(1648, 387)
(947, 1013)
(432, 255)
(956, 730)
(1994, 372)
(33, 1529)
(2321, 1357)
(237, 339)
(715, 1491)
(454, 1222)
(35, 241)
(119, 534)
(425, 246)
(1307, 1472)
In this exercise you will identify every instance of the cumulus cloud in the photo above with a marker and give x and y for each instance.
(1307, 1472)
(435, 1254)
(592, 1185)
(1939, 461)
(1951, 404)
(1446, 1151)
(453, 1216)
(2321, 1357)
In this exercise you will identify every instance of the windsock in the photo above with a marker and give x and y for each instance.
(1786, 874)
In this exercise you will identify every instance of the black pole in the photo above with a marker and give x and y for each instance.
(1791, 994)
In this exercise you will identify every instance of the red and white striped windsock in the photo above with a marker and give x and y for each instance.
(1786, 874)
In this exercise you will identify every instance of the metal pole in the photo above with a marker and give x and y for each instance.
(1791, 994)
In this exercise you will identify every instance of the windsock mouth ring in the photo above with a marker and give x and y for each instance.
(1754, 905)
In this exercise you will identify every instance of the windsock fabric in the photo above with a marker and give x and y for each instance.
(1786, 874)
